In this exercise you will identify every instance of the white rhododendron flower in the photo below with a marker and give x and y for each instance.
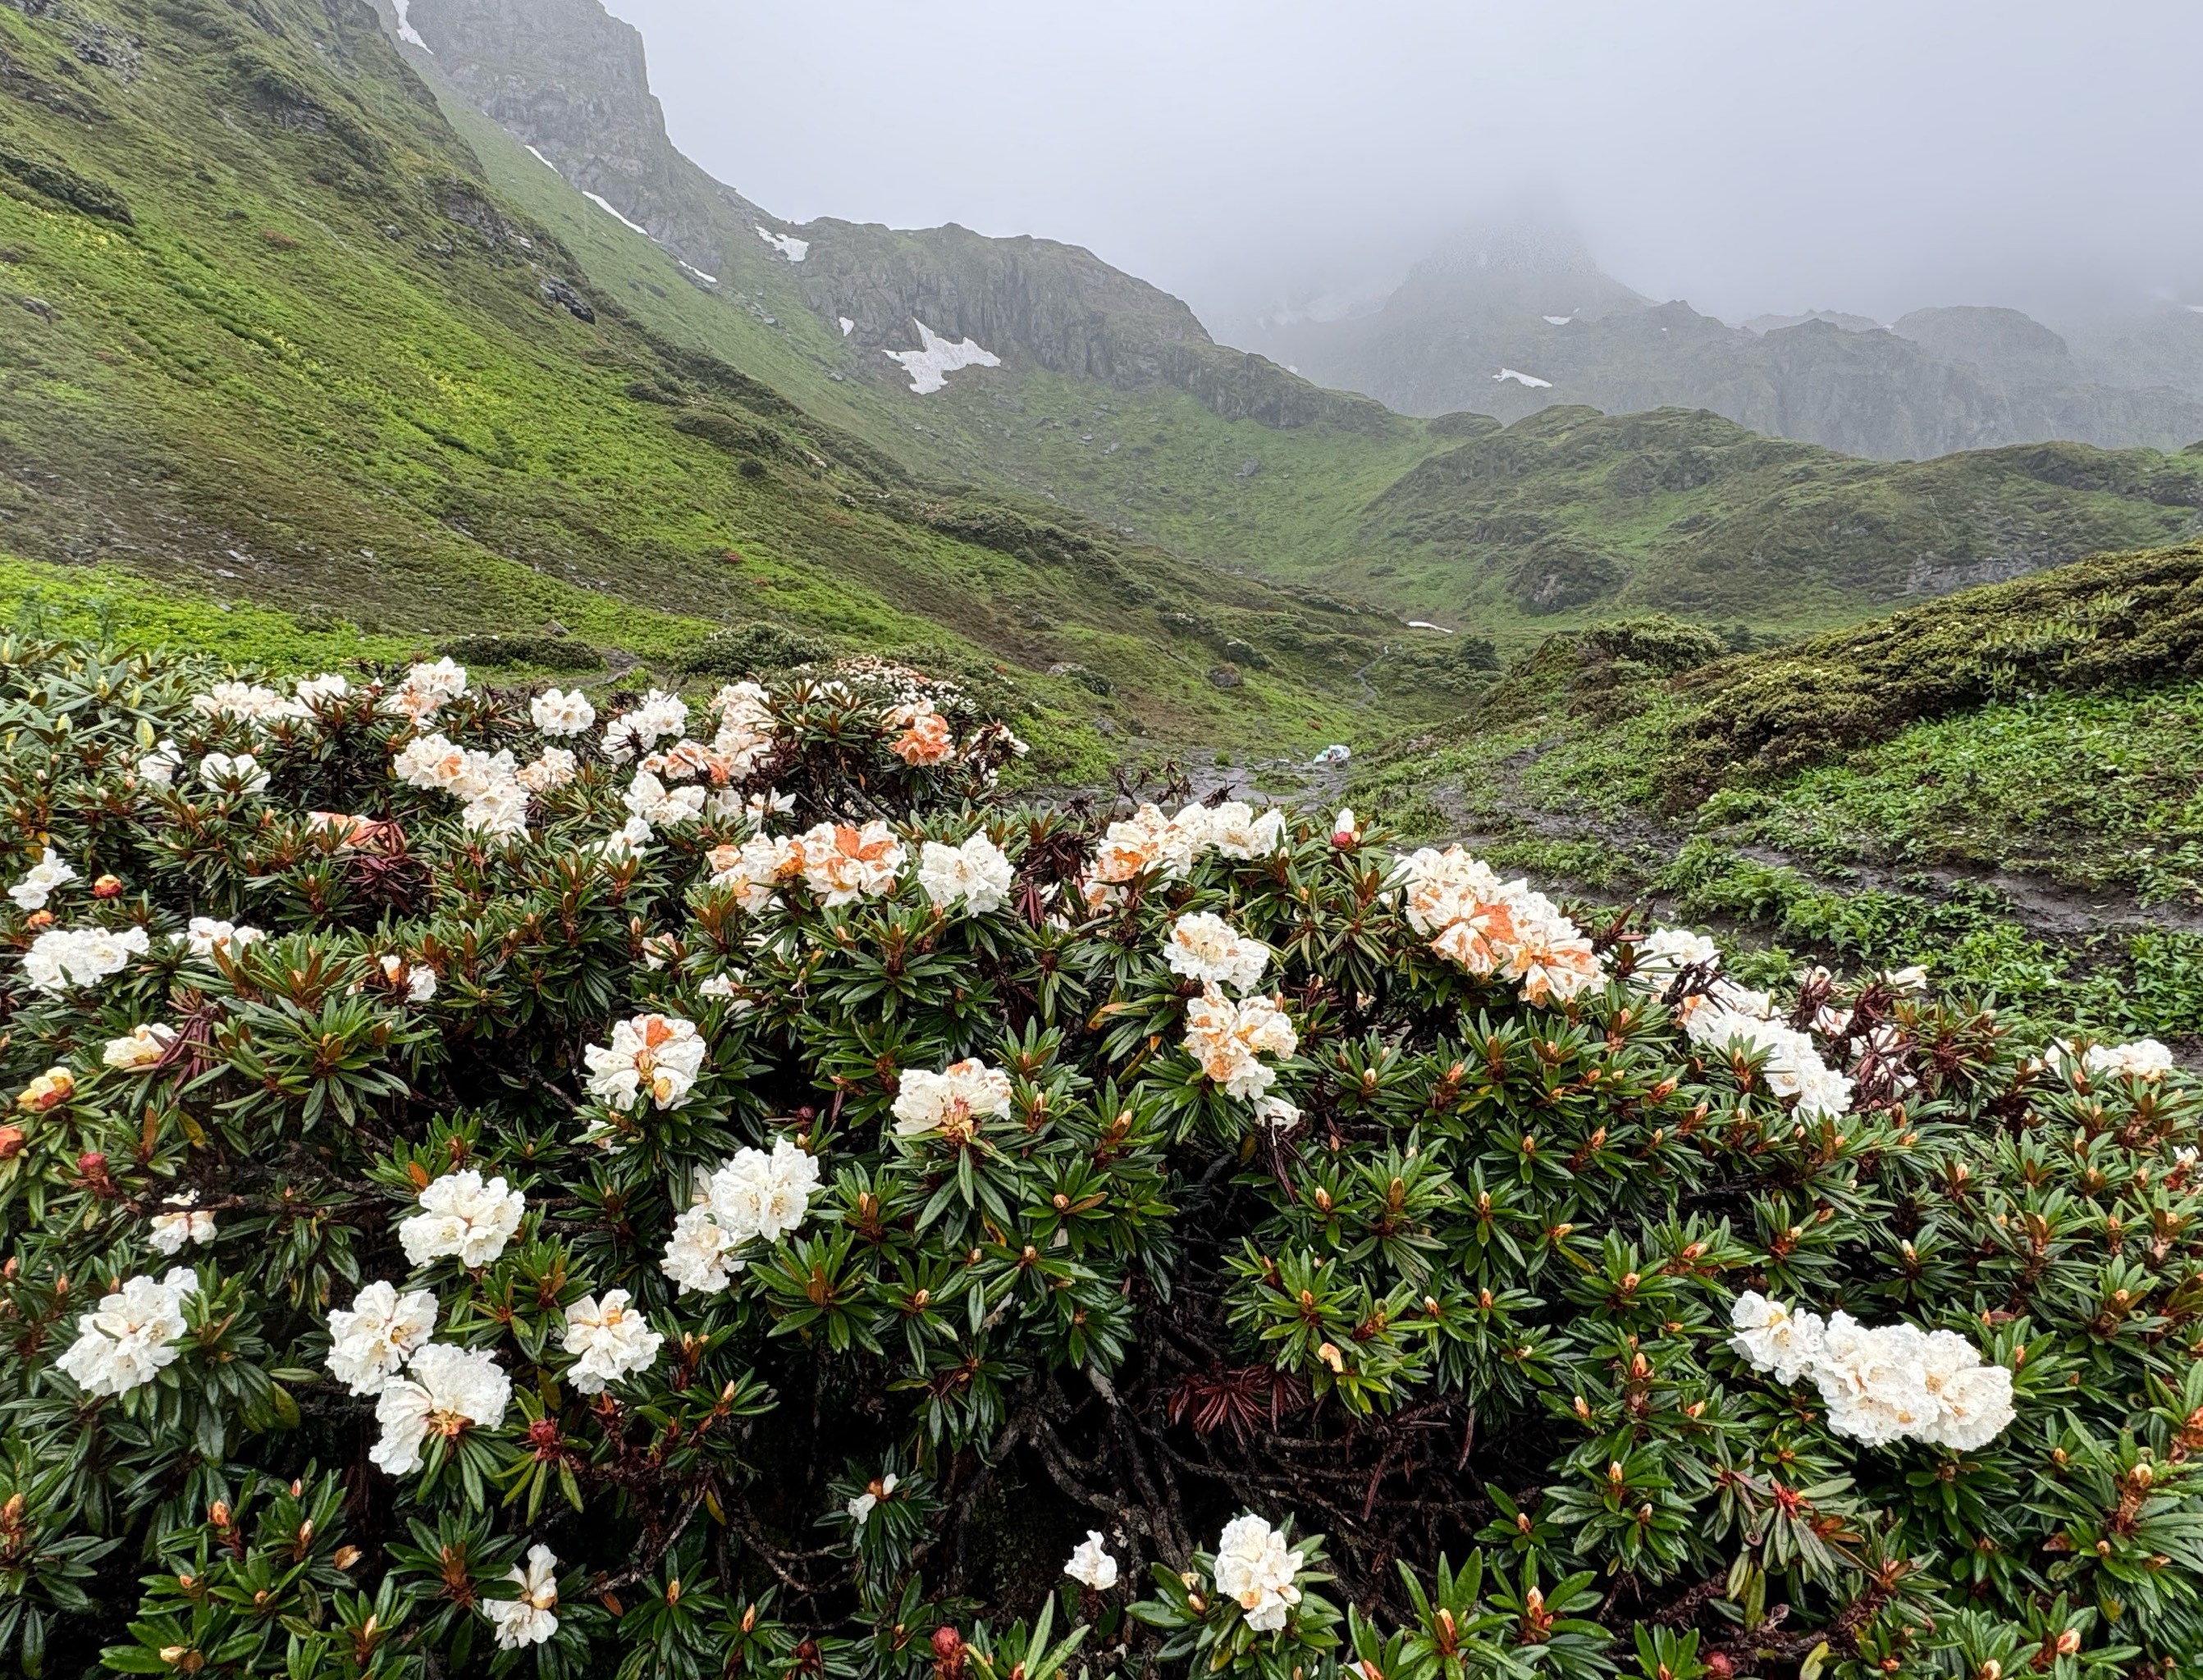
(181, 1220)
(638, 730)
(1229, 1039)
(976, 874)
(140, 1047)
(248, 701)
(530, 1617)
(745, 731)
(1256, 1569)
(40, 883)
(552, 767)
(756, 868)
(609, 1339)
(1773, 1338)
(313, 691)
(655, 803)
(1205, 947)
(842, 864)
(370, 1341)
(1149, 840)
(65, 956)
(498, 811)
(1873, 1382)
(1665, 952)
(1091, 1566)
(1880, 1384)
(2144, 1058)
(562, 713)
(132, 1334)
(860, 1507)
(700, 1254)
(1973, 1398)
(445, 1390)
(204, 935)
(1235, 830)
(221, 773)
(1792, 1067)
(427, 690)
(657, 1056)
(418, 979)
(1493, 927)
(158, 768)
(952, 1103)
(754, 1194)
(463, 1219)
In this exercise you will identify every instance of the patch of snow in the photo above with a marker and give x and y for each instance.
(708, 280)
(406, 32)
(847, 325)
(546, 162)
(1530, 380)
(930, 365)
(787, 245)
(1425, 624)
(604, 204)
(1559, 320)
(1336, 753)
(1292, 368)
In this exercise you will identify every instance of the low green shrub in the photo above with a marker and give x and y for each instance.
(714, 1192)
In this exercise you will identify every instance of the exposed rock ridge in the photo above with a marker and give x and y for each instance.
(572, 82)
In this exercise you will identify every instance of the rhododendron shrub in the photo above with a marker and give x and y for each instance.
(698, 1184)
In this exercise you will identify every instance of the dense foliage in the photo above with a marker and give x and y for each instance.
(710, 1192)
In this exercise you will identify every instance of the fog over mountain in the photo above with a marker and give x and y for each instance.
(1249, 153)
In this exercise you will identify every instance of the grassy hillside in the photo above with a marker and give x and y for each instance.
(1154, 463)
(1568, 514)
(276, 339)
(1559, 519)
(2003, 784)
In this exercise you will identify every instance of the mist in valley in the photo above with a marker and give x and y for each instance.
(1282, 159)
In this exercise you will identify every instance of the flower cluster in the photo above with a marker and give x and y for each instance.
(975, 874)
(1228, 1040)
(753, 1197)
(65, 956)
(1207, 949)
(609, 1340)
(132, 1336)
(653, 1057)
(1887, 1383)
(1148, 841)
(370, 1341)
(45, 877)
(445, 1391)
(1493, 927)
(1256, 1567)
(951, 1104)
(463, 1218)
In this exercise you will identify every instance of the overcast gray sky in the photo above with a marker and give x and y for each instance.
(1748, 155)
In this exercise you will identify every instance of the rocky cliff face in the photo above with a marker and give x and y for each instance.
(1512, 320)
(569, 80)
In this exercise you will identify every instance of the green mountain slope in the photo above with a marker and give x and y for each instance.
(2001, 784)
(1154, 460)
(1568, 511)
(276, 337)
(1558, 518)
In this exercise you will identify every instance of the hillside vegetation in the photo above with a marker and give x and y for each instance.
(276, 339)
(2002, 784)
(1110, 399)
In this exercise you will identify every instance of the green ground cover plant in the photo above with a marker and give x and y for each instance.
(709, 1187)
